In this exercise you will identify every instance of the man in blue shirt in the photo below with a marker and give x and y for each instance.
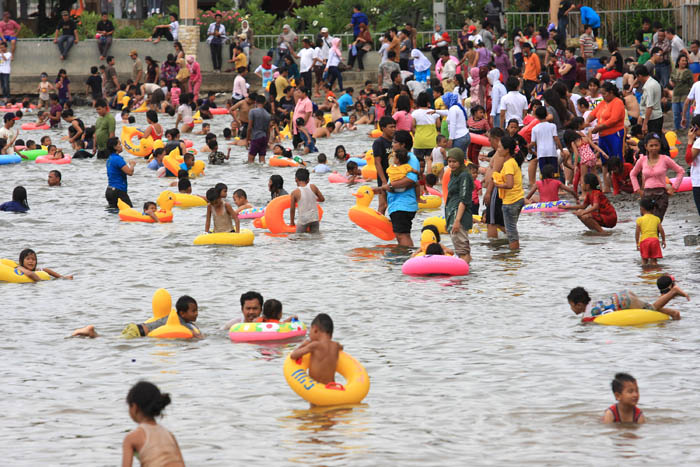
(345, 101)
(357, 18)
(403, 205)
(589, 16)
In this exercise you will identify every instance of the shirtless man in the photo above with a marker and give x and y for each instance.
(324, 351)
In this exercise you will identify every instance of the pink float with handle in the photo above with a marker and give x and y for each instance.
(34, 126)
(435, 265)
(335, 177)
(47, 160)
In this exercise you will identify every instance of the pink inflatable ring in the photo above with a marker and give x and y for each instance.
(435, 265)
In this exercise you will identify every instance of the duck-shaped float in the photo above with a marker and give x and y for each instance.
(367, 218)
(173, 162)
(143, 147)
(166, 201)
(162, 307)
(369, 171)
(184, 200)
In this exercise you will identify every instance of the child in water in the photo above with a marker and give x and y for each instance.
(222, 212)
(187, 311)
(304, 198)
(430, 235)
(626, 392)
(353, 173)
(272, 313)
(149, 209)
(240, 199)
(323, 349)
(647, 233)
(27, 266)
(153, 444)
(596, 211)
(581, 303)
(548, 187)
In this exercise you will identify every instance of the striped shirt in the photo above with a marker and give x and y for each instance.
(587, 44)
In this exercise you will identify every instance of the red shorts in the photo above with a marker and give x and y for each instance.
(607, 221)
(650, 248)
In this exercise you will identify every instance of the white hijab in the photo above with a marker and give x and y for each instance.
(420, 61)
(493, 76)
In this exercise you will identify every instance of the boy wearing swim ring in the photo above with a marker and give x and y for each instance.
(187, 311)
(149, 209)
(323, 349)
(240, 199)
(581, 303)
(626, 392)
(353, 172)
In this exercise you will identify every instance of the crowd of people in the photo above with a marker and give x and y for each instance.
(475, 117)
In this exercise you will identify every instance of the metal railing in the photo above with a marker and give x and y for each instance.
(619, 24)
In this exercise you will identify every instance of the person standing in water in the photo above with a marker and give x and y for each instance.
(305, 197)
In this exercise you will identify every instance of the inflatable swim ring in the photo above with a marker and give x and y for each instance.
(218, 111)
(274, 215)
(166, 201)
(481, 140)
(433, 191)
(33, 126)
(369, 171)
(281, 161)
(9, 159)
(144, 146)
(252, 213)
(446, 175)
(359, 161)
(244, 238)
(257, 332)
(365, 217)
(632, 317)
(437, 221)
(429, 265)
(32, 154)
(431, 202)
(335, 177)
(354, 390)
(549, 206)
(686, 184)
(172, 329)
(376, 133)
(161, 304)
(9, 272)
(260, 223)
(66, 159)
(184, 200)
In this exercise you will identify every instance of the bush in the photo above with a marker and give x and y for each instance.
(124, 32)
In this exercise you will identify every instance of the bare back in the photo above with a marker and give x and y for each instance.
(324, 359)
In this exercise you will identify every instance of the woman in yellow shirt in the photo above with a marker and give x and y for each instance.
(509, 182)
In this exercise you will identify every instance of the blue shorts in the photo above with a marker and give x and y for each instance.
(422, 76)
(553, 161)
(10, 38)
(612, 144)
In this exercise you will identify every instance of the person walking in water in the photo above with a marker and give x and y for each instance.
(305, 198)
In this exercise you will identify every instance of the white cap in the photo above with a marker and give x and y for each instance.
(324, 29)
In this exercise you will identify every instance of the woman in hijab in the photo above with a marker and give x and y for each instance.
(19, 201)
(421, 65)
(334, 57)
(440, 41)
(266, 71)
(287, 41)
(458, 204)
(195, 76)
(248, 41)
(475, 83)
(456, 122)
(501, 61)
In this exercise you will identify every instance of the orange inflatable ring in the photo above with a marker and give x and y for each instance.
(281, 161)
(274, 215)
(445, 182)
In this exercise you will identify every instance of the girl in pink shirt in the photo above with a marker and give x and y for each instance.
(548, 187)
(403, 117)
(195, 76)
(653, 167)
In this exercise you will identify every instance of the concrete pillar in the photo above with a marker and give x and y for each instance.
(439, 13)
(189, 31)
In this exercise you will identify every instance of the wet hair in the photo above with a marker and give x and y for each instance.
(579, 295)
(434, 230)
(434, 249)
(148, 398)
(277, 182)
(272, 309)
(323, 322)
(212, 195)
(647, 203)
(219, 187)
(404, 137)
(213, 145)
(619, 382)
(321, 158)
(157, 152)
(302, 175)
(591, 180)
(335, 154)
(548, 171)
(664, 283)
(112, 145)
(23, 255)
(183, 184)
(182, 173)
(351, 165)
(250, 295)
(19, 195)
(152, 115)
(148, 204)
(188, 156)
(227, 133)
(430, 179)
(183, 303)
(56, 173)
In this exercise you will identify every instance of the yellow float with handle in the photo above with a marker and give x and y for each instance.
(369, 171)
(9, 272)
(143, 148)
(245, 237)
(352, 392)
(162, 306)
(631, 317)
(141, 108)
(184, 200)
(166, 201)
(429, 202)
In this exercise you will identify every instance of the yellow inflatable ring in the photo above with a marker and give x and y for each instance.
(183, 200)
(632, 317)
(172, 329)
(143, 147)
(10, 273)
(244, 238)
(431, 202)
(354, 390)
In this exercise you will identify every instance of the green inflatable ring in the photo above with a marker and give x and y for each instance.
(32, 154)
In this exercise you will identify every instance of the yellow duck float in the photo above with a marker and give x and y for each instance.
(143, 147)
(166, 201)
(367, 218)
(162, 306)
(369, 171)
(173, 160)
(184, 200)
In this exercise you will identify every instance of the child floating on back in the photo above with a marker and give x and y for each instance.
(581, 303)
(626, 392)
(153, 444)
(323, 349)
(27, 265)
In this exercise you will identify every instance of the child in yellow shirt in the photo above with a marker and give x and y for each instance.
(399, 168)
(647, 234)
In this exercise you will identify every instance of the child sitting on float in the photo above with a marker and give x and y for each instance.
(431, 235)
(187, 312)
(272, 313)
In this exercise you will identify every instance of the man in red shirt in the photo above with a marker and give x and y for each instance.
(9, 29)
